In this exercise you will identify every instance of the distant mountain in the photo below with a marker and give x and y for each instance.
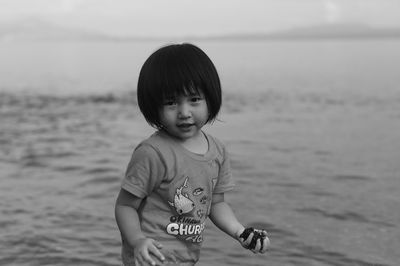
(339, 31)
(39, 30)
(327, 31)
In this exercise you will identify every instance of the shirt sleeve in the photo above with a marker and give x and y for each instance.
(225, 181)
(145, 171)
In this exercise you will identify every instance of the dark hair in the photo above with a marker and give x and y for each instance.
(176, 70)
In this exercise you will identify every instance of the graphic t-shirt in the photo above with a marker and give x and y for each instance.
(177, 187)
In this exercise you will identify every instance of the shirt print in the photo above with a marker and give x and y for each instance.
(189, 204)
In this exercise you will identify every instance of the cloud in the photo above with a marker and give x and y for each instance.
(333, 11)
(70, 5)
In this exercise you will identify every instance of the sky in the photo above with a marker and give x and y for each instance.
(200, 17)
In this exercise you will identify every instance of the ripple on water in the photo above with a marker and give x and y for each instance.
(68, 168)
(299, 251)
(350, 177)
(100, 170)
(100, 180)
(344, 216)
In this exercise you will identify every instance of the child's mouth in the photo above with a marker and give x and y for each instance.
(185, 126)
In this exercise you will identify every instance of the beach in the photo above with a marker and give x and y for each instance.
(314, 150)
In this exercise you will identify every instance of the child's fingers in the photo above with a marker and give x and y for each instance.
(247, 242)
(265, 245)
(258, 246)
(158, 244)
(144, 257)
(139, 261)
(156, 252)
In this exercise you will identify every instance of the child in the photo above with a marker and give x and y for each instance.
(178, 176)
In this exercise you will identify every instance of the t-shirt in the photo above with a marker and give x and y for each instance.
(177, 187)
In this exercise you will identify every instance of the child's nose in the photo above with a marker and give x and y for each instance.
(184, 111)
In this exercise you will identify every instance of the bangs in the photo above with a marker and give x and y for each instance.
(181, 75)
(175, 90)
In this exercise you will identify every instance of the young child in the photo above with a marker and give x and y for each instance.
(178, 176)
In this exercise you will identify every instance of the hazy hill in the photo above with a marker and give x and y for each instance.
(39, 30)
(327, 31)
(338, 31)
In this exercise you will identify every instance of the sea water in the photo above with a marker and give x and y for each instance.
(312, 128)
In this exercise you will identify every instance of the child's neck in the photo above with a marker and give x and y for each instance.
(197, 144)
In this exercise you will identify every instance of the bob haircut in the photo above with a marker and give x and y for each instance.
(173, 70)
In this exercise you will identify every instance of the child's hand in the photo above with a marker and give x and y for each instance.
(144, 248)
(255, 240)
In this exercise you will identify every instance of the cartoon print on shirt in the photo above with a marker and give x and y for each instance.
(200, 213)
(182, 203)
(189, 224)
(203, 200)
(198, 191)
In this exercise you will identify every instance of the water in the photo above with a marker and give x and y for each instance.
(317, 163)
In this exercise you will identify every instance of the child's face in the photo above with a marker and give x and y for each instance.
(184, 115)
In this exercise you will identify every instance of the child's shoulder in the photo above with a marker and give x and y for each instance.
(154, 139)
(150, 149)
(157, 142)
(220, 145)
(213, 138)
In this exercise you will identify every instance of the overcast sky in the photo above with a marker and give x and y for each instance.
(201, 17)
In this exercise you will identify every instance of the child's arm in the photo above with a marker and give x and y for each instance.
(128, 223)
(223, 217)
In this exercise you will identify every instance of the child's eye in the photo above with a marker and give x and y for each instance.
(196, 99)
(169, 102)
